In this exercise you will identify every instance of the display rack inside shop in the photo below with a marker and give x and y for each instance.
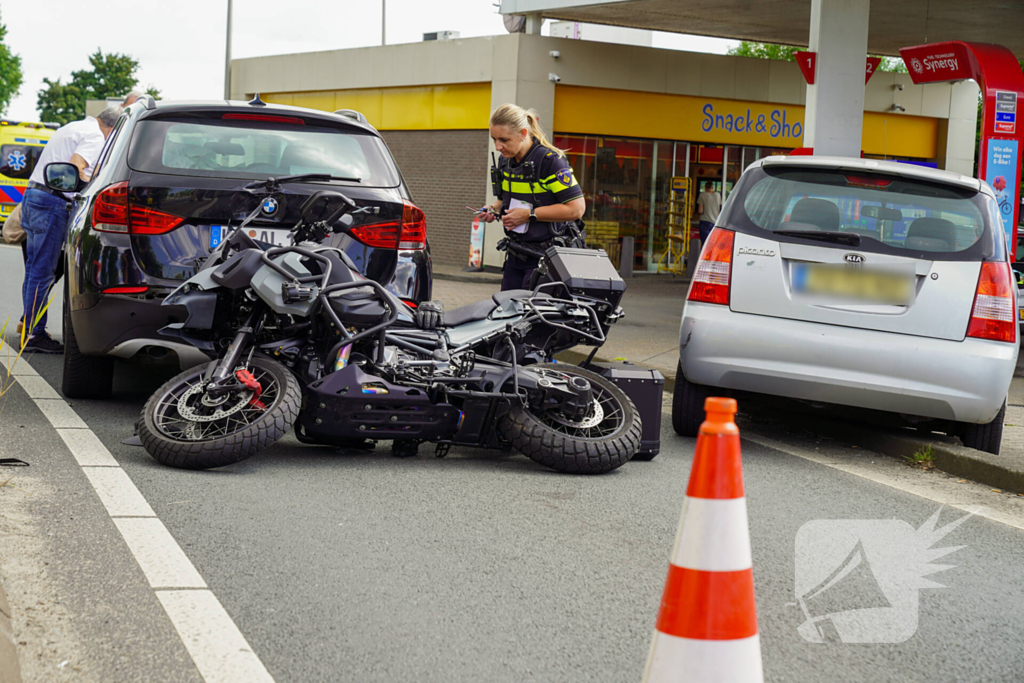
(673, 260)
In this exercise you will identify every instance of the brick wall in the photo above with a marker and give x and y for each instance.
(445, 171)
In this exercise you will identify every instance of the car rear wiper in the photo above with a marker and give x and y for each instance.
(849, 238)
(273, 182)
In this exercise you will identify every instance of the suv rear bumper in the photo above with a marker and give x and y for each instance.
(124, 326)
(965, 381)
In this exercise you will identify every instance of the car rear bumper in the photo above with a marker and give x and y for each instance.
(125, 326)
(965, 381)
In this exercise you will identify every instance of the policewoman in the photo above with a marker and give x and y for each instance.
(539, 200)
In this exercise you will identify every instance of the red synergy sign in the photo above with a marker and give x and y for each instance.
(1002, 86)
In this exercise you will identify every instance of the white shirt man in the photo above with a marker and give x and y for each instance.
(79, 143)
(44, 217)
(709, 205)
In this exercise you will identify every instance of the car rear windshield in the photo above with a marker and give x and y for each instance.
(18, 161)
(250, 150)
(888, 213)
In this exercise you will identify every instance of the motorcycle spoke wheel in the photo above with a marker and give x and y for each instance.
(184, 412)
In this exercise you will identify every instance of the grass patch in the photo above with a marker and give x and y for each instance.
(922, 458)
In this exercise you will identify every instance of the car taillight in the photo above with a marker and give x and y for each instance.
(995, 304)
(112, 212)
(381, 235)
(146, 221)
(714, 270)
(411, 233)
(414, 228)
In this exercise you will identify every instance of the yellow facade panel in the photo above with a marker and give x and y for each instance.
(434, 107)
(463, 106)
(900, 135)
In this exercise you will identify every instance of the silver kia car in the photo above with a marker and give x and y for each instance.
(860, 283)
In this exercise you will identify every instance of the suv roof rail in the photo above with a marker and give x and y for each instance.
(149, 101)
(352, 114)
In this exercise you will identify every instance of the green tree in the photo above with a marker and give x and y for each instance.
(765, 51)
(788, 53)
(110, 75)
(60, 103)
(10, 72)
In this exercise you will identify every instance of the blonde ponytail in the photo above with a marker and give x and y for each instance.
(516, 118)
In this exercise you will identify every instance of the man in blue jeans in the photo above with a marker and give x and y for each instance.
(44, 217)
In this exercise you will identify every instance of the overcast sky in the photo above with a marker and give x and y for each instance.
(179, 44)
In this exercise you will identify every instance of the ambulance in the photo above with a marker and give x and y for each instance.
(21, 144)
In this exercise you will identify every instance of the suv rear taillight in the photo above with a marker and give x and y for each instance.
(112, 212)
(410, 234)
(414, 228)
(714, 270)
(995, 304)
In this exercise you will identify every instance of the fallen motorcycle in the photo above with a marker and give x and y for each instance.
(302, 340)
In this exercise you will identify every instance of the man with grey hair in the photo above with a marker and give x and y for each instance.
(130, 98)
(45, 212)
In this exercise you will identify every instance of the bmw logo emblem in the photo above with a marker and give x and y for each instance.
(270, 206)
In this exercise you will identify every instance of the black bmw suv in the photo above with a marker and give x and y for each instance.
(170, 181)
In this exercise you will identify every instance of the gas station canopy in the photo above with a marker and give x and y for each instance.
(892, 25)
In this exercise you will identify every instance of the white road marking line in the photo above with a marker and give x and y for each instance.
(162, 560)
(88, 450)
(218, 648)
(961, 501)
(216, 645)
(20, 368)
(60, 414)
(37, 387)
(117, 492)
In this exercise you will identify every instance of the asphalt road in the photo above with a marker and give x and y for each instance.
(361, 567)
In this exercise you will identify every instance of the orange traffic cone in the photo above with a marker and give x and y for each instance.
(707, 624)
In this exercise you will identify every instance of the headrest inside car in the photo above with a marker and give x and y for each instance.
(935, 230)
(819, 212)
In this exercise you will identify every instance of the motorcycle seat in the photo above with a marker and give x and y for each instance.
(479, 310)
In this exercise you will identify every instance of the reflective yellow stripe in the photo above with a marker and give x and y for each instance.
(522, 188)
(559, 186)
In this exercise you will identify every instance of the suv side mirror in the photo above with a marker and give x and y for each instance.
(62, 177)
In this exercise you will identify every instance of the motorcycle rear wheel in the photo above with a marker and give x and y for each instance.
(563, 445)
(175, 440)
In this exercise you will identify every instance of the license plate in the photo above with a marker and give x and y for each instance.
(276, 236)
(1022, 314)
(849, 284)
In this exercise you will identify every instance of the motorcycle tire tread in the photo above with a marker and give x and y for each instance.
(201, 455)
(563, 453)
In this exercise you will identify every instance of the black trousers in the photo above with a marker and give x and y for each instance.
(516, 272)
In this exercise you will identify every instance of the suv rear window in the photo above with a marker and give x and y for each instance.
(890, 213)
(18, 161)
(222, 149)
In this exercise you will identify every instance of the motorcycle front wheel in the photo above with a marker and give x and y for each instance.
(603, 440)
(182, 426)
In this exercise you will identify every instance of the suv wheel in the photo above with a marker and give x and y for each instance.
(984, 437)
(688, 404)
(84, 376)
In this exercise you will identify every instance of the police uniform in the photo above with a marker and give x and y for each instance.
(542, 178)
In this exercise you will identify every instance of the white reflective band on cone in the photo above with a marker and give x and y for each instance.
(713, 535)
(682, 660)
